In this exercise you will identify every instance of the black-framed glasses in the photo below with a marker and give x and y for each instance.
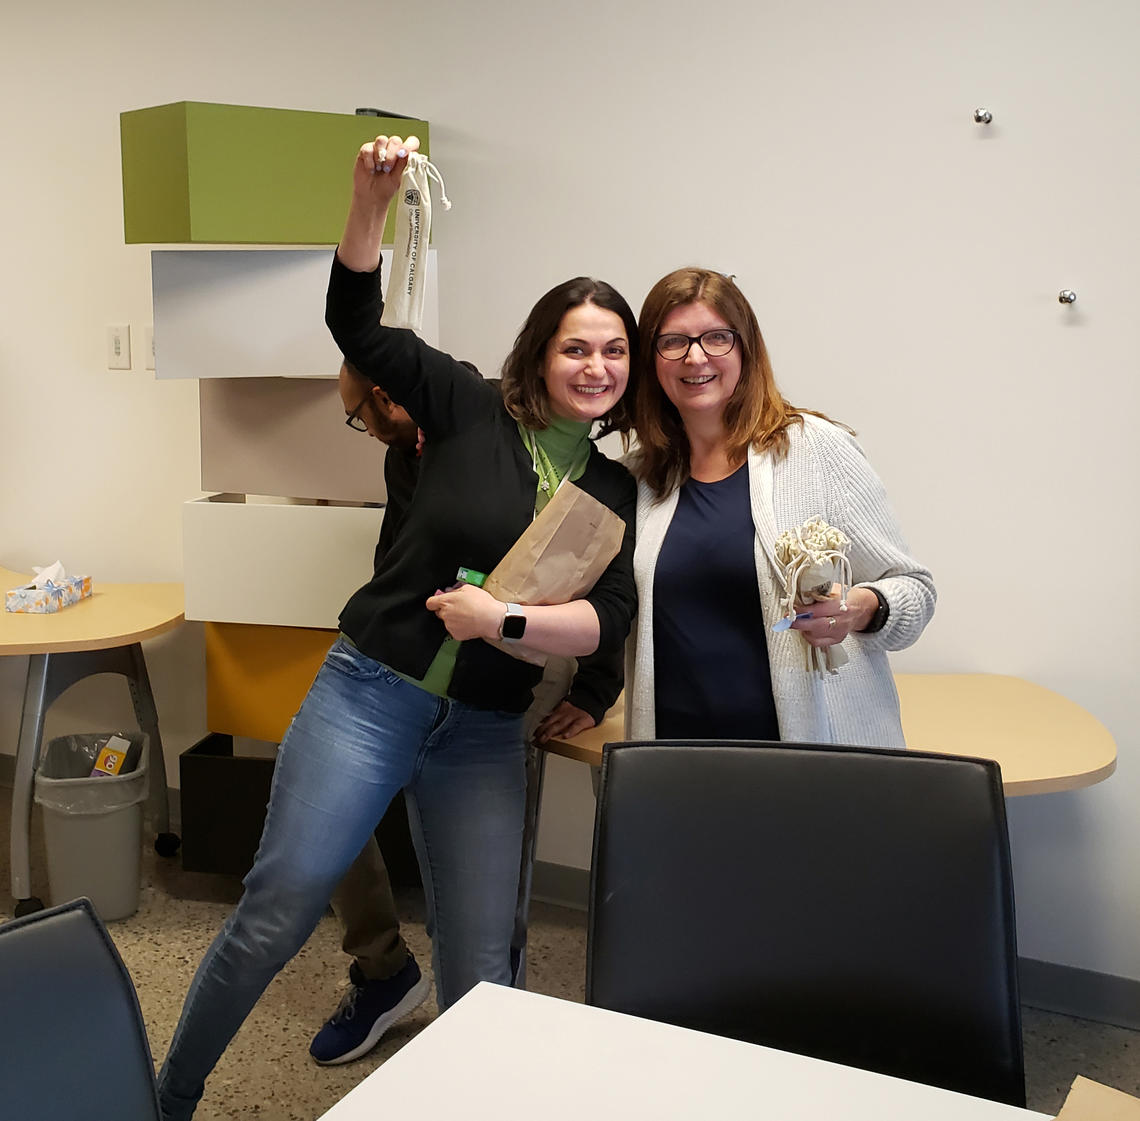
(715, 343)
(354, 420)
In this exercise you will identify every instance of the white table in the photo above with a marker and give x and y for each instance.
(507, 1055)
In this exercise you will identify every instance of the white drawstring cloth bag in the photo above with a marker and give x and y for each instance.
(813, 557)
(404, 300)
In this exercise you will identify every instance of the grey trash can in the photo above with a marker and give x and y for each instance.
(93, 825)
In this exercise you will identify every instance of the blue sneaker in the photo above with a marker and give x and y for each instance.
(367, 1011)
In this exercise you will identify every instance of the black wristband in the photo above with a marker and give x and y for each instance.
(882, 612)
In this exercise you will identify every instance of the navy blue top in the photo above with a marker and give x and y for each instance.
(710, 651)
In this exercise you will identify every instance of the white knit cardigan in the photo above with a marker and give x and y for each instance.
(824, 473)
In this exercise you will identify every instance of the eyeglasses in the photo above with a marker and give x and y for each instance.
(354, 420)
(715, 343)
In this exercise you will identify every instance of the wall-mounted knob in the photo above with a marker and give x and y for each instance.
(983, 116)
(1067, 296)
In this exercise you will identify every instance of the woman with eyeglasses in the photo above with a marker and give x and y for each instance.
(410, 697)
(726, 465)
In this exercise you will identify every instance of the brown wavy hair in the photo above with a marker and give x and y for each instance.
(756, 414)
(524, 391)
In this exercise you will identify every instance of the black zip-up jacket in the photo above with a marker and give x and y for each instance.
(474, 498)
(599, 676)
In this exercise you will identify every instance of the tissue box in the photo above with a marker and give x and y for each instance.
(54, 597)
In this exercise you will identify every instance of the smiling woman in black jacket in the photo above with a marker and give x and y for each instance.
(410, 695)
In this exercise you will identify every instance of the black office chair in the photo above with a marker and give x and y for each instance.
(853, 904)
(72, 1039)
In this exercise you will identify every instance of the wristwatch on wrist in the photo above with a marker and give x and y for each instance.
(513, 626)
(882, 612)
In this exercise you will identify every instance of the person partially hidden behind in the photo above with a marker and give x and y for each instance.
(385, 981)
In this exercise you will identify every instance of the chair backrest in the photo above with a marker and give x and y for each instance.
(854, 904)
(72, 1039)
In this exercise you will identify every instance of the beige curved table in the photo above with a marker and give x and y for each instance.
(1042, 741)
(100, 634)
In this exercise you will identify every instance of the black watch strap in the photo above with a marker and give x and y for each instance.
(882, 612)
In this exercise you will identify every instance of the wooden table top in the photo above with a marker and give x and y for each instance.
(113, 615)
(1043, 742)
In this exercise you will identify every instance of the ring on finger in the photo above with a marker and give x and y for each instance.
(831, 622)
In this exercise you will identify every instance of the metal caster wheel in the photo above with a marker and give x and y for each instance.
(28, 906)
(166, 844)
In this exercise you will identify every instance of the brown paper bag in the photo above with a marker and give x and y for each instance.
(558, 558)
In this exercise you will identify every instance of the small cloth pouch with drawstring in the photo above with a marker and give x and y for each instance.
(404, 300)
(812, 558)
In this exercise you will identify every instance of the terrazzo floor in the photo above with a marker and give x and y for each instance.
(266, 1072)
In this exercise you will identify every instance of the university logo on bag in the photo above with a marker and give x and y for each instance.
(411, 197)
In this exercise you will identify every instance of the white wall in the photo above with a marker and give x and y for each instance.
(904, 262)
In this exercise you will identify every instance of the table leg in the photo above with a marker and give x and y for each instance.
(147, 716)
(535, 774)
(27, 758)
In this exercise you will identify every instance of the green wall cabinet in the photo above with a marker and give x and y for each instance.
(237, 174)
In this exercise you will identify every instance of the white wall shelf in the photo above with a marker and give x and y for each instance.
(245, 313)
(282, 563)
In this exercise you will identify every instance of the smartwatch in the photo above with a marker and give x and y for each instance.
(513, 626)
(882, 612)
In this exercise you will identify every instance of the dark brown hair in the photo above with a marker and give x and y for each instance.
(756, 414)
(524, 391)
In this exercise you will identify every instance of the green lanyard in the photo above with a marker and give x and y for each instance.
(549, 476)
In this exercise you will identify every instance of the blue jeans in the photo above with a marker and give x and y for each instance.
(363, 734)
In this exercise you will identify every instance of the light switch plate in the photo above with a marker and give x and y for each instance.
(119, 346)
